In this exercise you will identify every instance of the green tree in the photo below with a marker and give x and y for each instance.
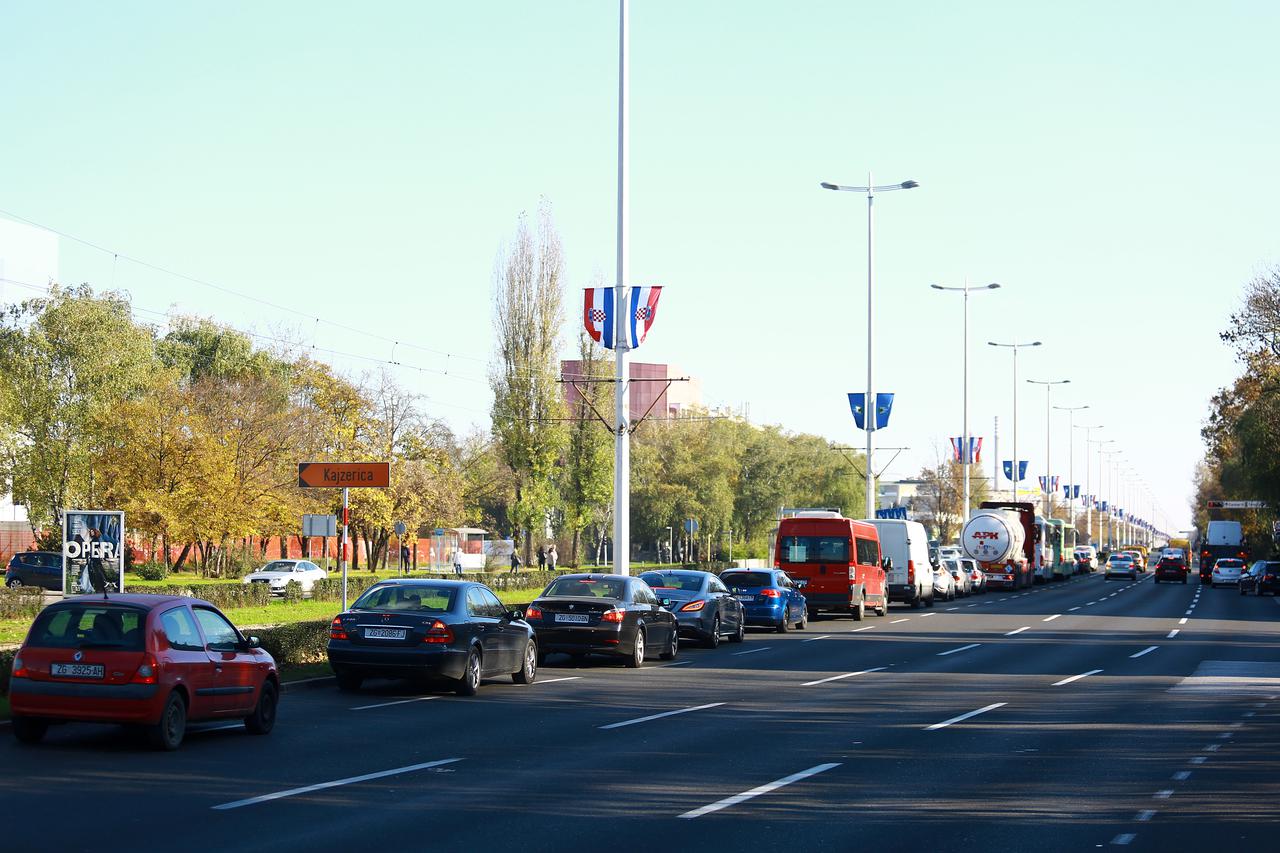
(586, 478)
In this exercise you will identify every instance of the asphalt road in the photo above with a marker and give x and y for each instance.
(1065, 718)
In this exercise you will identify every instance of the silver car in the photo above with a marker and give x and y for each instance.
(944, 585)
(977, 577)
(964, 583)
(1227, 570)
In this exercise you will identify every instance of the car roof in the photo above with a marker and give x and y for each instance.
(146, 600)
(424, 582)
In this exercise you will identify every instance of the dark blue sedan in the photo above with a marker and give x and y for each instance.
(410, 628)
(34, 568)
(703, 605)
(770, 598)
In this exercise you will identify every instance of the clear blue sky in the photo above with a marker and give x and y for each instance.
(1112, 165)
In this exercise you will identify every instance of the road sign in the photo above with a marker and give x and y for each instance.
(319, 525)
(344, 475)
(439, 531)
(1237, 504)
(400, 528)
(691, 525)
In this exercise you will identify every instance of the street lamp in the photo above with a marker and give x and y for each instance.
(1109, 489)
(1048, 467)
(869, 407)
(1088, 509)
(1015, 347)
(964, 438)
(1071, 459)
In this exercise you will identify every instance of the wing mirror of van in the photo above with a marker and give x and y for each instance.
(886, 563)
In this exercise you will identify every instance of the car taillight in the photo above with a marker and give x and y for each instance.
(694, 605)
(614, 615)
(769, 593)
(911, 571)
(336, 631)
(438, 633)
(147, 672)
(532, 613)
(20, 669)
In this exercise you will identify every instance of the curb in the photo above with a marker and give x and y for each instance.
(308, 683)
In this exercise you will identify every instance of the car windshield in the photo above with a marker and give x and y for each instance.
(411, 597)
(278, 566)
(747, 579)
(688, 581)
(598, 587)
(1226, 564)
(88, 625)
(814, 549)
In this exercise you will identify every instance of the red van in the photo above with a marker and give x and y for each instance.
(835, 560)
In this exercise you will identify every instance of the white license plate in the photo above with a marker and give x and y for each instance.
(384, 633)
(77, 670)
(572, 618)
(745, 597)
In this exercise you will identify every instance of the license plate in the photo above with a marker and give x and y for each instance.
(745, 597)
(572, 618)
(78, 670)
(384, 633)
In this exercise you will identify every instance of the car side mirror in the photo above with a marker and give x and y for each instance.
(515, 614)
(665, 602)
(254, 643)
(887, 563)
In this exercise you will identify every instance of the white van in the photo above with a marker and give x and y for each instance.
(906, 544)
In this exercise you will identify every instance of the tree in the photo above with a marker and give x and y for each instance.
(943, 494)
(527, 406)
(586, 478)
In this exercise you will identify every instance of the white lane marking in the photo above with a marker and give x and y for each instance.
(815, 639)
(660, 716)
(1197, 759)
(677, 663)
(1051, 618)
(1148, 650)
(961, 649)
(927, 615)
(1225, 736)
(396, 702)
(1188, 611)
(857, 630)
(963, 717)
(1087, 603)
(1213, 747)
(197, 731)
(1250, 713)
(972, 605)
(1124, 838)
(1182, 776)
(728, 802)
(751, 651)
(1182, 621)
(1162, 795)
(1145, 815)
(1113, 595)
(569, 678)
(307, 789)
(949, 609)
(896, 621)
(1172, 634)
(838, 677)
(1005, 598)
(1076, 677)
(1071, 609)
(1018, 630)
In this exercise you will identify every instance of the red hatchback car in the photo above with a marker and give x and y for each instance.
(154, 661)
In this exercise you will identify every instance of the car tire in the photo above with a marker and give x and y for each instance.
(673, 647)
(928, 602)
(166, 735)
(13, 583)
(528, 670)
(783, 626)
(859, 612)
(263, 718)
(712, 640)
(804, 620)
(469, 683)
(29, 729)
(349, 682)
(636, 659)
(740, 635)
(916, 602)
(883, 608)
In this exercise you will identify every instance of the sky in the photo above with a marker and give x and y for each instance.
(343, 176)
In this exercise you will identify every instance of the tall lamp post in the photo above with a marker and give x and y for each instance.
(1071, 459)
(1109, 489)
(964, 437)
(1015, 347)
(1088, 490)
(869, 416)
(1048, 466)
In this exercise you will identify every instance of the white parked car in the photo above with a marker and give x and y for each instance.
(950, 552)
(977, 579)
(277, 573)
(1226, 570)
(963, 582)
(944, 585)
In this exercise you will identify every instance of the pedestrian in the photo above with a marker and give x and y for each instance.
(542, 559)
(515, 560)
(404, 559)
(457, 561)
(552, 556)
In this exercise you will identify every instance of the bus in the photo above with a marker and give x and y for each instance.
(835, 561)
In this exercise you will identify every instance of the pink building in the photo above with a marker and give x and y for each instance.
(666, 401)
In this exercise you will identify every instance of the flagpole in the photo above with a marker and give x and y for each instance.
(622, 435)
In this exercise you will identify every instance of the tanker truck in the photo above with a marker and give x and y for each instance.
(1002, 538)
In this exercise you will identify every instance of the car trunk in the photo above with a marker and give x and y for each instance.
(568, 611)
(386, 628)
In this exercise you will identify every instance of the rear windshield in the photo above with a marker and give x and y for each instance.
(747, 579)
(435, 599)
(89, 625)
(814, 549)
(1224, 564)
(689, 581)
(598, 587)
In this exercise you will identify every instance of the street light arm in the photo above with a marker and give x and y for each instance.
(826, 185)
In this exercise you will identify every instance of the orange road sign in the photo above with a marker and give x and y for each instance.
(339, 475)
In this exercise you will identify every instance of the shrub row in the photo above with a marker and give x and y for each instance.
(25, 601)
(296, 643)
(330, 588)
(6, 668)
(224, 595)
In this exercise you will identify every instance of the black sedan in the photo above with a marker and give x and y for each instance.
(1262, 578)
(422, 629)
(704, 607)
(602, 614)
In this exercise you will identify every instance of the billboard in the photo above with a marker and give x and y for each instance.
(92, 552)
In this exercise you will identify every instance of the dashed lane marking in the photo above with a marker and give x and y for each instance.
(857, 630)
(1148, 650)
(963, 717)
(815, 639)
(728, 802)
(1182, 776)
(1162, 795)
(1123, 839)
(396, 702)
(1145, 815)
(896, 621)
(960, 649)
(751, 651)
(651, 717)
(1072, 678)
(839, 677)
(1051, 618)
(1018, 630)
(1172, 634)
(351, 780)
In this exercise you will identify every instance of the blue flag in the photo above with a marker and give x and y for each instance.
(857, 404)
(884, 405)
(1022, 469)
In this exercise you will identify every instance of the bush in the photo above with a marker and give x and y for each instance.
(25, 601)
(330, 588)
(292, 592)
(6, 668)
(151, 571)
(296, 643)
(223, 595)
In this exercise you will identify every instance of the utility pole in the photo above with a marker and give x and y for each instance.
(622, 413)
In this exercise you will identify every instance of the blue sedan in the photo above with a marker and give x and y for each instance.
(770, 598)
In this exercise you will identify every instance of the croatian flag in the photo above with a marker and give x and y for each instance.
(975, 449)
(599, 318)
